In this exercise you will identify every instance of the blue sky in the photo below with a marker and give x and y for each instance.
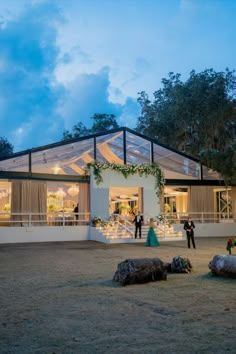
(61, 61)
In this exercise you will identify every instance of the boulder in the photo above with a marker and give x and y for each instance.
(223, 265)
(140, 270)
(179, 265)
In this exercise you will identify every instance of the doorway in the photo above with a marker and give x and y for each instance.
(125, 201)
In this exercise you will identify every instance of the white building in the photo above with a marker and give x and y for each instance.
(40, 187)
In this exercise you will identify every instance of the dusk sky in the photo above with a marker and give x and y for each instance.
(62, 61)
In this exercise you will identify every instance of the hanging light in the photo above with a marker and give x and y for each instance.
(73, 190)
(60, 193)
(56, 169)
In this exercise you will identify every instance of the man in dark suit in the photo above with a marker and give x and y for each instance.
(188, 227)
(138, 221)
(76, 211)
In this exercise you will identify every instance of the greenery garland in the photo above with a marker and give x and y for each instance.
(127, 170)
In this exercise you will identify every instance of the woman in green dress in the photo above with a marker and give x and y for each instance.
(152, 240)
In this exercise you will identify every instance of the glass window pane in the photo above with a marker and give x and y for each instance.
(110, 148)
(210, 174)
(16, 164)
(69, 159)
(138, 150)
(174, 165)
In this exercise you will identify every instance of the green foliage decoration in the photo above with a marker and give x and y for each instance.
(127, 170)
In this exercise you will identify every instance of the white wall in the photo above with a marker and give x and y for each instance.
(43, 234)
(211, 230)
(83, 233)
(100, 193)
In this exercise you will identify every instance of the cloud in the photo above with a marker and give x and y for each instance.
(35, 107)
(89, 94)
(29, 96)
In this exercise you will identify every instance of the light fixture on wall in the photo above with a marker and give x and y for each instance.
(73, 190)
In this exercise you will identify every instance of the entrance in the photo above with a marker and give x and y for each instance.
(125, 201)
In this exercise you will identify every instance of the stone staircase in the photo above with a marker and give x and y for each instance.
(117, 232)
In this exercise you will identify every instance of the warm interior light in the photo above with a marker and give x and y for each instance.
(60, 193)
(73, 190)
(123, 196)
(56, 169)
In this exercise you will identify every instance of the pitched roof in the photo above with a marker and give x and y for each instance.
(120, 146)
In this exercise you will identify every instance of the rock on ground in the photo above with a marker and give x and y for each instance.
(224, 266)
(140, 270)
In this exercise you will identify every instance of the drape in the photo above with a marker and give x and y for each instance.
(181, 203)
(84, 200)
(28, 197)
(140, 199)
(201, 202)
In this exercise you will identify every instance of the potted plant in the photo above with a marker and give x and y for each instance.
(96, 221)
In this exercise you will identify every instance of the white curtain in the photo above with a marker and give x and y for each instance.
(28, 197)
(140, 199)
(181, 203)
(201, 202)
(84, 200)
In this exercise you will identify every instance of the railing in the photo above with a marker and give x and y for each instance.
(163, 226)
(197, 217)
(44, 219)
(200, 217)
(72, 219)
(122, 225)
(126, 224)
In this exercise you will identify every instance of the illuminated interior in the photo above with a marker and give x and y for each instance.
(122, 146)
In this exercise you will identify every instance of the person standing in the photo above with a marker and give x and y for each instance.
(138, 221)
(188, 227)
(76, 211)
(152, 240)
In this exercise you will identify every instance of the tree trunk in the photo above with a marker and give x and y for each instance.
(140, 270)
(224, 266)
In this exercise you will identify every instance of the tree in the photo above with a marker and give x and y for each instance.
(197, 116)
(78, 130)
(103, 122)
(6, 148)
(224, 162)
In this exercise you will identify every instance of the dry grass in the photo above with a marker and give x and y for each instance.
(60, 298)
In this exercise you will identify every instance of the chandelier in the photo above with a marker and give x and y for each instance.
(60, 193)
(56, 169)
(73, 190)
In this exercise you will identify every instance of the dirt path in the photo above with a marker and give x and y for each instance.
(59, 298)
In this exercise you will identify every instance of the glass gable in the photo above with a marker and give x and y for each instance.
(15, 164)
(71, 158)
(138, 150)
(109, 148)
(68, 159)
(171, 161)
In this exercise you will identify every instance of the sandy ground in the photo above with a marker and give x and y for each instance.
(60, 298)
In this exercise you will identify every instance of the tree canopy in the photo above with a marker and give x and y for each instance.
(197, 116)
(101, 122)
(6, 148)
